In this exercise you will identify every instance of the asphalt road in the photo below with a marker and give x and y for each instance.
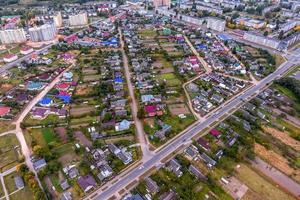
(175, 144)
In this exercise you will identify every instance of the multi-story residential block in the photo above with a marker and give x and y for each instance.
(42, 33)
(216, 24)
(10, 36)
(57, 18)
(159, 3)
(265, 41)
(79, 19)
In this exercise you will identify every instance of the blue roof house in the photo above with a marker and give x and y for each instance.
(123, 125)
(34, 85)
(64, 98)
(46, 102)
(147, 98)
(118, 80)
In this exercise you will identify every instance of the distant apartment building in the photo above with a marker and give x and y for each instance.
(42, 33)
(270, 8)
(214, 9)
(11, 36)
(215, 24)
(252, 23)
(296, 6)
(79, 19)
(159, 3)
(288, 26)
(264, 41)
(57, 19)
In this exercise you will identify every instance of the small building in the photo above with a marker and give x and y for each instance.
(32, 86)
(193, 170)
(175, 167)
(19, 182)
(87, 183)
(10, 58)
(26, 50)
(39, 164)
(46, 102)
(215, 133)
(151, 185)
(4, 110)
(64, 184)
(123, 125)
(66, 196)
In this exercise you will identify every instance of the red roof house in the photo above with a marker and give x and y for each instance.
(63, 86)
(215, 133)
(4, 110)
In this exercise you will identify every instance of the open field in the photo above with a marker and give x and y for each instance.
(6, 126)
(283, 137)
(48, 135)
(35, 135)
(78, 111)
(259, 185)
(25, 193)
(277, 161)
(8, 153)
(177, 109)
(10, 183)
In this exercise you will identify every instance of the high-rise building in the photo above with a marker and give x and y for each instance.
(159, 3)
(42, 33)
(57, 19)
(79, 19)
(10, 36)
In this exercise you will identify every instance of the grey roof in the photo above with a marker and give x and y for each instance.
(19, 182)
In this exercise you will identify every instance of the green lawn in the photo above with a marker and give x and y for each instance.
(147, 33)
(64, 149)
(50, 119)
(170, 78)
(48, 135)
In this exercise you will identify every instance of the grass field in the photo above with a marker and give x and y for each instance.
(5, 126)
(170, 79)
(8, 155)
(260, 185)
(10, 183)
(48, 135)
(147, 33)
(35, 135)
(25, 193)
(293, 131)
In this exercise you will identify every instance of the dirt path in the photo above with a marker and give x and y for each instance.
(278, 177)
(283, 137)
(277, 161)
(290, 118)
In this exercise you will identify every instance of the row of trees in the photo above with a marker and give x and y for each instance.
(32, 183)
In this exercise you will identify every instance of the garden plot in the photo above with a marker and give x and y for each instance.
(83, 140)
(177, 109)
(79, 111)
(91, 78)
(9, 148)
(283, 137)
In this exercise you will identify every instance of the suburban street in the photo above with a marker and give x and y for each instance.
(134, 108)
(171, 147)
